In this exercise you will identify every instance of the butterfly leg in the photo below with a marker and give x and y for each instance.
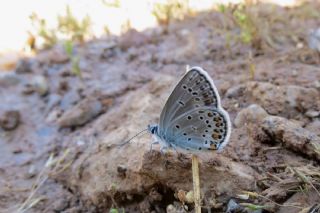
(163, 149)
(155, 142)
(174, 148)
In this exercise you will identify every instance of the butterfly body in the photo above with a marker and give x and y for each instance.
(192, 118)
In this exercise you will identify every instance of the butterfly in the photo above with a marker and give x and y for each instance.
(192, 118)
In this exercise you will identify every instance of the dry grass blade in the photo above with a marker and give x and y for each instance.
(51, 167)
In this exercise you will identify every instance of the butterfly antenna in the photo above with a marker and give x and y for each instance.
(139, 133)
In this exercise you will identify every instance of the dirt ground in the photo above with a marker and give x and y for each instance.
(58, 130)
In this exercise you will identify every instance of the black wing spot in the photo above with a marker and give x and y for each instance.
(190, 90)
(181, 103)
(197, 99)
(201, 111)
(204, 136)
(200, 148)
(189, 139)
(206, 131)
(201, 118)
(194, 93)
(184, 134)
(209, 126)
(189, 117)
(207, 121)
(177, 126)
(184, 86)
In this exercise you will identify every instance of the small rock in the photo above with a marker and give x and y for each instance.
(9, 120)
(316, 84)
(69, 99)
(121, 169)
(24, 66)
(291, 135)
(176, 208)
(53, 100)
(189, 197)
(235, 91)
(40, 85)
(31, 172)
(133, 38)
(314, 40)
(233, 206)
(252, 114)
(312, 113)
(81, 113)
(53, 116)
(60, 204)
(314, 127)
(9, 79)
(58, 55)
(154, 195)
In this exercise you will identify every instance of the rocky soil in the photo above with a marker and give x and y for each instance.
(59, 131)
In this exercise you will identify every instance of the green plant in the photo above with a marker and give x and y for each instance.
(113, 210)
(48, 35)
(75, 60)
(68, 27)
(171, 10)
(244, 19)
(75, 30)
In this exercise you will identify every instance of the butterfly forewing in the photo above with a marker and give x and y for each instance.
(194, 90)
(192, 117)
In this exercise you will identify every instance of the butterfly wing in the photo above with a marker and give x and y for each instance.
(194, 89)
(193, 117)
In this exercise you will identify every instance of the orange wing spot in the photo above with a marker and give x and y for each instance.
(213, 146)
(215, 136)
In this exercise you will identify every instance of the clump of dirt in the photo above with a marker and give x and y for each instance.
(60, 131)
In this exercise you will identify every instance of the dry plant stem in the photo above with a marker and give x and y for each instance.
(196, 183)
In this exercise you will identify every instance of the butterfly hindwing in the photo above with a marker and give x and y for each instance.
(201, 129)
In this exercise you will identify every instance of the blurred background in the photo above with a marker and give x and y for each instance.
(37, 24)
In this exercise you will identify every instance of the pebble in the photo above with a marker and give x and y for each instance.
(252, 114)
(10, 120)
(40, 85)
(24, 66)
(81, 113)
(312, 113)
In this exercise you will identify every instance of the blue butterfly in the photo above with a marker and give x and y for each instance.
(192, 118)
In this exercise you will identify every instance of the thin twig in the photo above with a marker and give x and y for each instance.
(196, 183)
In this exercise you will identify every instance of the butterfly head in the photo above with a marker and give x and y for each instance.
(153, 129)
